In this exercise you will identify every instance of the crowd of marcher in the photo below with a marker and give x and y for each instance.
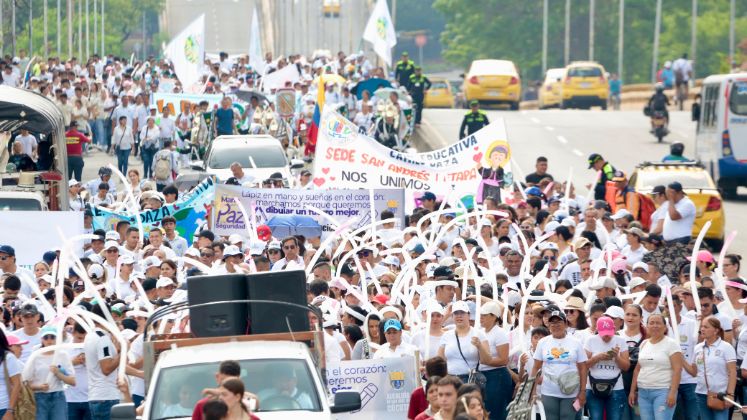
(590, 298)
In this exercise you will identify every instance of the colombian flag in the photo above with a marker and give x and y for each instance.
(316, 120)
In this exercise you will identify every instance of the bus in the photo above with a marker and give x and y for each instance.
(721, 140)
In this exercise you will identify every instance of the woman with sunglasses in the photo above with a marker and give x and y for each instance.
(575, 315)
(47, 374)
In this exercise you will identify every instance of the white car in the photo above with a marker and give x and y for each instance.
(259, 156)
(22, 200)
(267, 367)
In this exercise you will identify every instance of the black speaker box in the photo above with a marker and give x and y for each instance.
(283, 286)
(222, 319)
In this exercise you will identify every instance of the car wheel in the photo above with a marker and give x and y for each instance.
(604, 106)
(563, 105)
(514, 106)
(728, 188)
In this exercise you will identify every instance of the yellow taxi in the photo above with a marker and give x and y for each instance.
(699, 187)
(549, 94)
(493, 82)
(584, 86)
(439, 95)
(331, 8)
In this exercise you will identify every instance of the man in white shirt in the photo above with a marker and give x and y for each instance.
(178, 244)
(30, 332)
(394, 346)
(102, 361)
(291, 261)
(680, 217)
(8, 266)
(29, 143)
(239, 175)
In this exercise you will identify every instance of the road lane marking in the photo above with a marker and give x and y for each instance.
(535, 120)
(562, 140)
(524, 112)
(548, 128)
(577, 152)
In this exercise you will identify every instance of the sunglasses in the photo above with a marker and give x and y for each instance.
(550, 258)
(570, 311)
(111, 251)
(49, 337)
(273, 251)
(289, 247)
(364, 253)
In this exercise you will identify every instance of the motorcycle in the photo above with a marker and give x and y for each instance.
(659, 124)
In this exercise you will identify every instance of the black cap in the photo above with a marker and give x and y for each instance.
(149, 284)
(593, 158)
(206, 234)
(675, 186)
(347, 270)
(443, 273)
(557, 314)
(659, 189)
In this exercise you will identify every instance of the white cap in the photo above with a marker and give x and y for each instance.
(635, 282)
(603, 282)
(164, 281)
(111, 244)
(620, 214)
(391, 260)
(274, 245)
(640, 264)
(568, 222)
(491, 307)
(192, 252)
(486, 222)
(459, 306)
(73, 182)
(151, 261)
(126, 259)
(549, 245)
(434, 307)
(513, 297)
(111, 235)
(47, 278)
(235, 239)
(231, 250)
(430, 269)
(257, 247)
(615, 312)
(96, 270)
(551, 226)
(448, 261)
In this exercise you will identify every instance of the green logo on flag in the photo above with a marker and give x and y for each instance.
(191, 49)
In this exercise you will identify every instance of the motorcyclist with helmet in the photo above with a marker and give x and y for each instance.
(676, 151)
(659, 102)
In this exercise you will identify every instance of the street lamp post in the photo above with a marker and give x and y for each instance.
(592, 4)
(567, 46)
(620, 39)
(655, 56)
(31, 28)
(544, 36)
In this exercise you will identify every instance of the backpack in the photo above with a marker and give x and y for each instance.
(26, 403)
(646, 209)
(162, 170)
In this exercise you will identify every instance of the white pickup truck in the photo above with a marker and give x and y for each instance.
(270, 368)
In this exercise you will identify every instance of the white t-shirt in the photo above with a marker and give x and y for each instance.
(79, 392)
(714, 358)
(137, 385)
(419, 340)
(496, 337)
(33, 342)
(605, 369)
(674, 229)
(29, 143)
(687, 340)
(558, 356)
(634, 256)
(454, 360)
(659, 214)
(14, 368)
(656, 368)
(38, 372)
(99, 346)
(386, 351)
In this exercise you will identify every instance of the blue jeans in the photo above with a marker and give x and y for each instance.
(102, 410)
(708, 414)
(629, 413)
(147, 156)
(613, 405)
(687, 404)
(78, 411)
(123, 160)
(137, 400)
(97, 131)
(497, 395)
(653, 404)
(50, 405)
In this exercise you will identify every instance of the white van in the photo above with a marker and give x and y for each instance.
(721, 141)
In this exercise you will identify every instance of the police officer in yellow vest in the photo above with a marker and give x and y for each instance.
(403, 69)
(417, 86)
(473, 120)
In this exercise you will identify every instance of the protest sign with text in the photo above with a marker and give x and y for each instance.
(476, 165)
(340, 205)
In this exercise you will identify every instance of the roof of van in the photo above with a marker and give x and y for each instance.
(218, 352)
(721, 77)
(251, 139)
(40, 114)
(491, 67)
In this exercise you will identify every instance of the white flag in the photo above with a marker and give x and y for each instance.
(255, 46)
(187, 53)
(380, 31)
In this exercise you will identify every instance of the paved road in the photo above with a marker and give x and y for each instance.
(567, 137)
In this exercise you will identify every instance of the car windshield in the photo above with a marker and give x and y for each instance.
(647, 180)
(24, 204)
(279, 384)
(584, 72)
(738, 98)
(439, 85)
(263, 157)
